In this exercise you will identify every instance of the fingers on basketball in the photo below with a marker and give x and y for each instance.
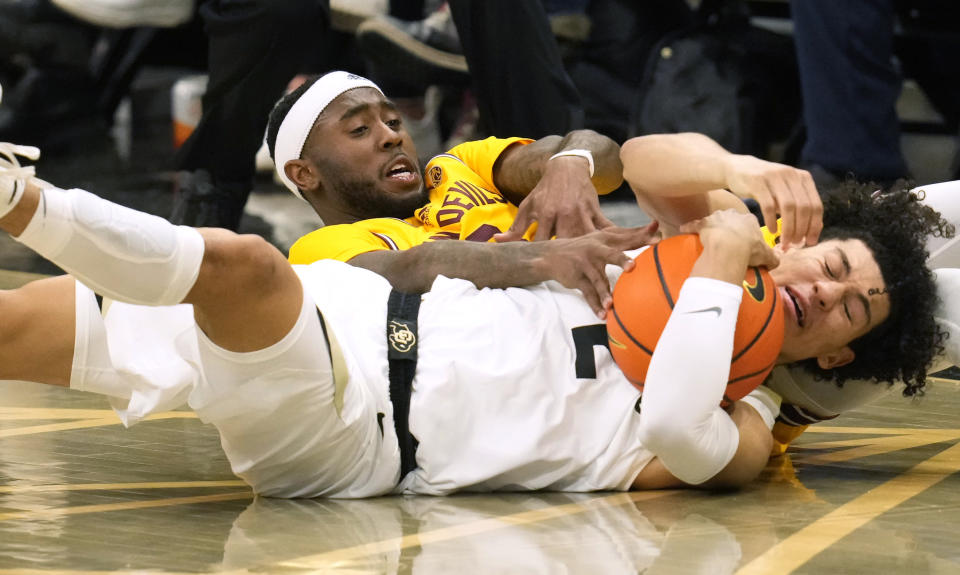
(644, 297)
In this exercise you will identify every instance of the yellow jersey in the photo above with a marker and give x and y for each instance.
(464, 204)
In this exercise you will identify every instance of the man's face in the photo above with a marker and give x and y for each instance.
(365, 158)
(833, 293)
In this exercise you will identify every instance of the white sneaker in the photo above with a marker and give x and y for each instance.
(129, 13)
(10, 167)
(13, 176)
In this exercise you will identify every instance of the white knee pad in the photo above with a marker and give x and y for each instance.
(120, 253)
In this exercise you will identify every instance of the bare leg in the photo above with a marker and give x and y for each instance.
(37, 331)
(247, 297)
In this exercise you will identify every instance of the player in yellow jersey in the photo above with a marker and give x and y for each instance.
(464, 203)
(339, 144)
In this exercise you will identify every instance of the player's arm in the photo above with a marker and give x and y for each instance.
(555, 181)
(754, 444)
(681, 177)
(577, 263)
(695, 440)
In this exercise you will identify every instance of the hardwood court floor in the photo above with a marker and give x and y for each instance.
(873, 492)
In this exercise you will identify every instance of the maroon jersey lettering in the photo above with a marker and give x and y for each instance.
(483, 233)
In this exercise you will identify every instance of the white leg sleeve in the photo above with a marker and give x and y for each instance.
(681, 419)
(120, 253)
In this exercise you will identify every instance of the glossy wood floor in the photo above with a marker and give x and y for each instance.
(873, 492)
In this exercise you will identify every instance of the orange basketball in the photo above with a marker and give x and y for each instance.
(643, 299)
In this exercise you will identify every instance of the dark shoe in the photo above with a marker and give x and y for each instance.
(424, 52)
(198, 202)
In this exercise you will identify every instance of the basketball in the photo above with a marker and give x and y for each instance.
(643, 299)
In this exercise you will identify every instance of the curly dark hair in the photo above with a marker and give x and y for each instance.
(895, 226)
(280, 111)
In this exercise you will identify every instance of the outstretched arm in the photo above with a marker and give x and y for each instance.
(559, 192)
(576, 263)
(681, 177)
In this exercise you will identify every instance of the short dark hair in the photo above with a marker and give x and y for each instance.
(280, 111)
(895, 226)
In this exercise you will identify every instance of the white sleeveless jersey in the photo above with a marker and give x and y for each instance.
(514, 389)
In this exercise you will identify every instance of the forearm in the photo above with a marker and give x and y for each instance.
(682, 421)
(521, 168)
(484, 264)
(607, 166)
(678, 178)
(674, 165)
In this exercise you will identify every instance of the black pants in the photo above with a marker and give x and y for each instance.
(518, 77)
(850, 86)
(521, 83)
(255, 48)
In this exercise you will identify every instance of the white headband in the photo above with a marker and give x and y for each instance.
(299, 120)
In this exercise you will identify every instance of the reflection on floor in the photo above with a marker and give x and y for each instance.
(873, 492)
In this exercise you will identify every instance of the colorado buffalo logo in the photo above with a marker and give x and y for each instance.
(401, 336)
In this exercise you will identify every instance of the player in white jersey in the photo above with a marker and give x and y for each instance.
(682, 176)
(807, 400)
(292, 426)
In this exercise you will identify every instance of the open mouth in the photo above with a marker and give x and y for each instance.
(401, 170)
(798, 309)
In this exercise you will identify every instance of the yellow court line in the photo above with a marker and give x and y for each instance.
(878, 447)
(330, 559)
(117, 486)
(19, 413)
(85, 423)
(49, 427)
(56, 571)
(83, 509)
(930, 436)
(876, 430)
(797, 549)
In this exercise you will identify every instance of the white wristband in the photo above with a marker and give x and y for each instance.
(578, 152)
